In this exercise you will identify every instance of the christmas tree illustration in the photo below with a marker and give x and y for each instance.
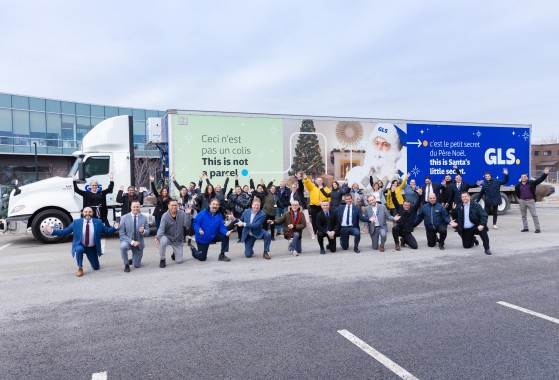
(308, 156)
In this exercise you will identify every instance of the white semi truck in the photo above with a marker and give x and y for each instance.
(263, 146)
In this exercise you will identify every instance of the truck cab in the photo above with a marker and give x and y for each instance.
(107, 148)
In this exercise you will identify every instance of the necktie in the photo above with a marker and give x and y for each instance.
(327, 215)
(347, 218)
(135, 234)
(428, 192)
(87, 234)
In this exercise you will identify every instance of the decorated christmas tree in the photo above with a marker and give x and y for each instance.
(308, 157)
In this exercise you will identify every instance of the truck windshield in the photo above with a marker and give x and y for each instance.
(74, 168)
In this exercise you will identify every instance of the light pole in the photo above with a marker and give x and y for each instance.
(36, 164)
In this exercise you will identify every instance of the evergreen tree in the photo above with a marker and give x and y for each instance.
(308, 157)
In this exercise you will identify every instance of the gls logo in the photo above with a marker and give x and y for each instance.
(383, 130)
(495, 156)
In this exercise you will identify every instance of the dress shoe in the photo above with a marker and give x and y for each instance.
(381, 248)
(397, 247)
(222, 257)
(266, 256)
(194, 252)
(476, 242)
(273, 238)
(441, 246)
(162, 263)
(402, 242)
(173, 256)
(487, 251)
(525, 230)
(322, 251)
(127, 268)
(356, 250)
(538, 231)
(80, 272)
(238, 241)
(129, 261)
(278, 233)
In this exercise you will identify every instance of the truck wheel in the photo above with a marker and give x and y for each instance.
(505, 204)
(481, 201)
(44, 218)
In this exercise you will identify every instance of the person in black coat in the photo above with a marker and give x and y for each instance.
(491, 194)
(335, 195)
(474, 224)
(326, 224)
(162, 204)
(97, 200)
(403, 228)
(127, 200)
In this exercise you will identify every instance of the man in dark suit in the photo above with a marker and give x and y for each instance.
(133, 227)
(471, 221)
(349, 216)
(251, 221)
(326, 226)
(459, 186)
(431, 187)
(87, 238)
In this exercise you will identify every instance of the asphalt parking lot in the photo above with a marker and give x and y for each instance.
(426, 313)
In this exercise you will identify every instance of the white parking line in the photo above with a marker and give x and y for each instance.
(99, 376)
(540, 315)
(377, 355)
(5, 246)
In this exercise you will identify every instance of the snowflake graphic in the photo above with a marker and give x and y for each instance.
(513, 133)
(187, 136)
(273, 130)
(415, 171)
(526, 135)
(478, 134)
(422, 131)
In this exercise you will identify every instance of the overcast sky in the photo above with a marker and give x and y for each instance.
(476, 61)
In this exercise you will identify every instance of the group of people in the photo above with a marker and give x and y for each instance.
(266, 211)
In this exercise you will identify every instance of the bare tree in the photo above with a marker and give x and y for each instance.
(144, 168)
(53, 171)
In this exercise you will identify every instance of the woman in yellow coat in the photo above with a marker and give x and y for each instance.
(394, 195)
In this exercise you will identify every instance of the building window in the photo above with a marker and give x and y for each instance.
(536, 153)
(547, 153)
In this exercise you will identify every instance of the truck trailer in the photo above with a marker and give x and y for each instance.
(267, 146)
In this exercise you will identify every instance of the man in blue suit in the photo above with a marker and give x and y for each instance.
(87, 238)
(133, 227)
(252, 221)
(349, 216)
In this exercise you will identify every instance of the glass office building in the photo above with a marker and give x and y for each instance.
(54, 130)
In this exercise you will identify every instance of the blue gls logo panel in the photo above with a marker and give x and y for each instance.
(434, 149)
(100, 188)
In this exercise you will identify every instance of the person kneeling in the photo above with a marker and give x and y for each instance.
(133, 227)
(209, 228)
(252, 220)
(294, 222)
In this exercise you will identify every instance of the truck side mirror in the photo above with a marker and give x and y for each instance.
(17, 189)
(81, 172)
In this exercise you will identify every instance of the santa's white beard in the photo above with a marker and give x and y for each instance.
(382, 163)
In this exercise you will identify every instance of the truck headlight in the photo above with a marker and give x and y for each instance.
(18, 208)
